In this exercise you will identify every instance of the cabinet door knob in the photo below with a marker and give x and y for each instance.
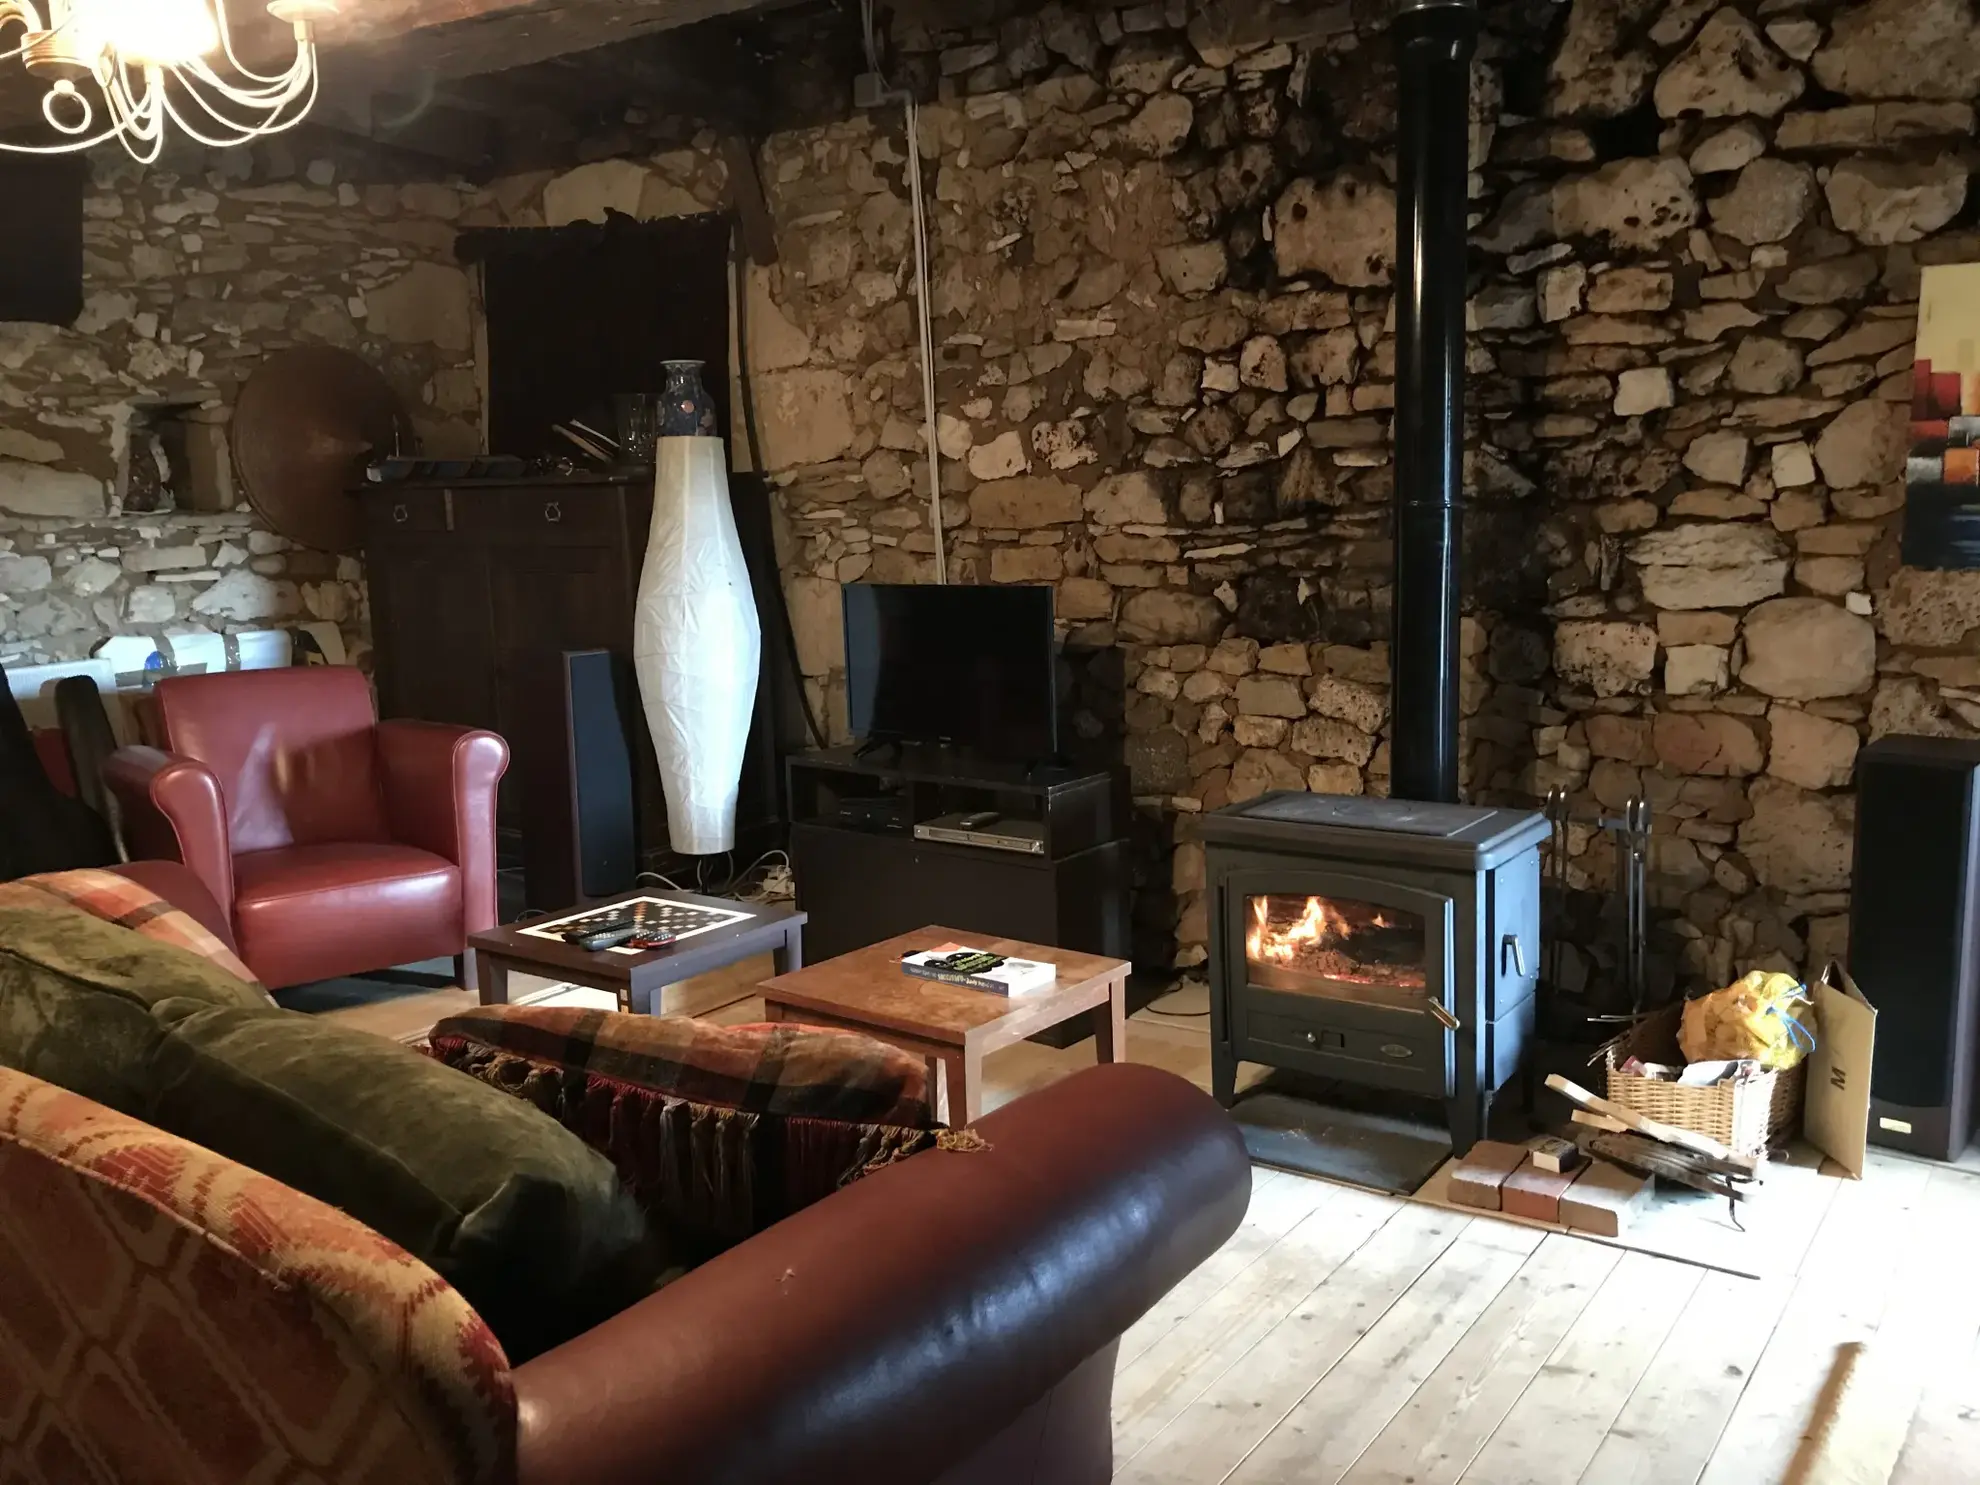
(401, 514)
(1312, 1039)
(553, 512)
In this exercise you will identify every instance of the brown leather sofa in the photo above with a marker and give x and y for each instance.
(336, 844)
(950, 1320)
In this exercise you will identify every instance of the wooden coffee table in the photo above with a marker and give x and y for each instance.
(953, 1027)
(638, 979)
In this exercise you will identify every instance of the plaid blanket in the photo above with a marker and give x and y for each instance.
(718, 1131)
(119, 900)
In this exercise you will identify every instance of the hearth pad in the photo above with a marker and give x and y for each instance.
(1303, 1126)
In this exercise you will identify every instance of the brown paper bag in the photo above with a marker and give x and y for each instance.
(1836, 1119)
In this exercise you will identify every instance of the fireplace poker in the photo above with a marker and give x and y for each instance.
(1557, 872)
(1632, 834)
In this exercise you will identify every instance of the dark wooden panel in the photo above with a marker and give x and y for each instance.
(433, 636)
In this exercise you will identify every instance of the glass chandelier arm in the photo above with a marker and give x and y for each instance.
(233, 58)
(272, 121)
(276, 92)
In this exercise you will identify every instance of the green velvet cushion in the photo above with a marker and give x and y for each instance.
(531, 1226)
(76, 995)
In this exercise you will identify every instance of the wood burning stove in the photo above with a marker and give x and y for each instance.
(1379, 942)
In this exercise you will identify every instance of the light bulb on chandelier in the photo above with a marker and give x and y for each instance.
(126, 69)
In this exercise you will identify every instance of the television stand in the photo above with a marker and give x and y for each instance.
(861, 882)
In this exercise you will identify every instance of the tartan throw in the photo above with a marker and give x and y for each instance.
(719, 1132)
(119, 900)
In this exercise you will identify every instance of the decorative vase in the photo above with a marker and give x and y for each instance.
(697, 645)
(686, 409)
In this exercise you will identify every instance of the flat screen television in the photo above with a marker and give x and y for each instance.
(966, 666)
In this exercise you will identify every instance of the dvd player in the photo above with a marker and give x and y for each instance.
(1026, 837)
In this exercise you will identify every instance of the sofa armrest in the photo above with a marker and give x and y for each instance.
(895, 1327)
(440, 785)
(171, 809)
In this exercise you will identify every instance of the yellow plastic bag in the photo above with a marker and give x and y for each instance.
(1768, 1018)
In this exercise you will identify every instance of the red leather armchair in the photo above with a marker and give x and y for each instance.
(336, 843)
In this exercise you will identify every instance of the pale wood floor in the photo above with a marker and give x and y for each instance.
(1346, 1338)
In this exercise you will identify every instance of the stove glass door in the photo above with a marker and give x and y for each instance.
(1338, 947)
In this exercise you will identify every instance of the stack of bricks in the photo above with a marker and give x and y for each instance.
(1595, 1198)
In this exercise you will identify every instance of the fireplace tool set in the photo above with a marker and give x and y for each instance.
(1631, 830)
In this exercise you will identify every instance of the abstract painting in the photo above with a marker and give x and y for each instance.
(1942, 475)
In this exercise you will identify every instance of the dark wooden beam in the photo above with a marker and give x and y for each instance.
(463, 38)
(399, 46)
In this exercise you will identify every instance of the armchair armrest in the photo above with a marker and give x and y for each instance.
(171, 809)
(440, 785)
(897, 1326)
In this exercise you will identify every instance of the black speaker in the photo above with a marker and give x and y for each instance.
(1914, 938)
(580, 822)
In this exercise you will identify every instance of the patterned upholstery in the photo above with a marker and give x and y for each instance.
(720, 1132)
(166, 1315)
(116, 899)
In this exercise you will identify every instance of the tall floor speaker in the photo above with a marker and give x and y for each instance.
(580, 820)
(1914, 943)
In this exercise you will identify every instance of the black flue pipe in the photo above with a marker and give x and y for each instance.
(1434, 44)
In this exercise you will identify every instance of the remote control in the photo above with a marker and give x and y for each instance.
(604, 938)
(978, 820)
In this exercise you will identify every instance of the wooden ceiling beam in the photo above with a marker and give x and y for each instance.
(401, 46)
(465, 38)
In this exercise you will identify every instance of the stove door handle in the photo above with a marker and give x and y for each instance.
(1512, 944)
(1444, 1014)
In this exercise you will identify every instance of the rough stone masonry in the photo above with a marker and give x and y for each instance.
(193, 271)
(1163, 259)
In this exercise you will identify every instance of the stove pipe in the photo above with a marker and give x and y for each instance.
(1434, 43)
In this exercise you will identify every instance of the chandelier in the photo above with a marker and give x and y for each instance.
(125, 69)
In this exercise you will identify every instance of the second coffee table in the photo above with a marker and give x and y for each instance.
(638, 979)
(950, 1025)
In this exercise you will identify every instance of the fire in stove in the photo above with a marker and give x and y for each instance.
(1349, 943)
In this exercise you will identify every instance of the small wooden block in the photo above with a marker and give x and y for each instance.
(1603, 1200)
(1535, 1193)
(1478, 1177)
(1550, 1152)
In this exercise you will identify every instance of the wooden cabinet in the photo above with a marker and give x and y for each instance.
(479, 586)
(468, 579)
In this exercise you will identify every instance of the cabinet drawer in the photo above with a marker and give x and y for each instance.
(401, 513)
(582, 516)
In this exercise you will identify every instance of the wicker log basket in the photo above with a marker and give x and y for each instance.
(1748, 1117)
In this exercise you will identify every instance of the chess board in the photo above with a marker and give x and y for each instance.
(661, 917)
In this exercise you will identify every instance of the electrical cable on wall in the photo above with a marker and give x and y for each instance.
(873, 91)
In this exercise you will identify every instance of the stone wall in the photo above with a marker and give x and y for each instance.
(194, 271)
(1163, 261)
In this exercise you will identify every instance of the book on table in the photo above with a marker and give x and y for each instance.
(980, 969)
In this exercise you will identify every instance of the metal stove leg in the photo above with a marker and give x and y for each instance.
(1223, 1074)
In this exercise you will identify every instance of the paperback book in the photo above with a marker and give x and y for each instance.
(979, 969)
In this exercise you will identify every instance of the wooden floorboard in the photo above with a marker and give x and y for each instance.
(1436, 1436)
(1212, 1435)
(1485, 1353)
(1319, 1440)
(1169, 1378)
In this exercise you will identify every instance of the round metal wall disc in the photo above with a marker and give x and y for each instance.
(305, 426)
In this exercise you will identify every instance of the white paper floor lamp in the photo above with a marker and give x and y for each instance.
(697, 645)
